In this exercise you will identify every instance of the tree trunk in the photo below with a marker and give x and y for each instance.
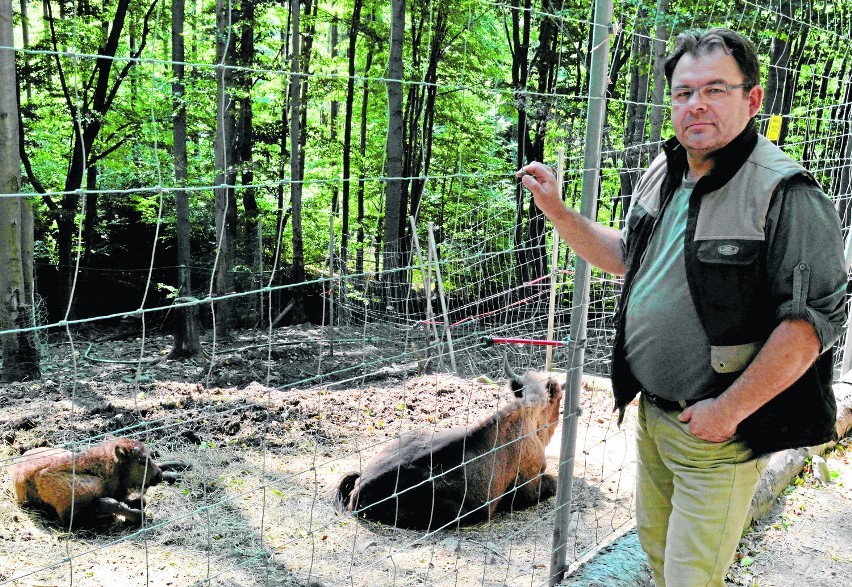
(347, 129)
(636, 111)
(25, 34)
(338, 259)
(423, 147)
(252, 221)
(520, 43)
(394, 142)
(90, 218)
(65, 231)
(19, 351)
(362, 150)
(282, 216)
(187, 326)
(307, 35)
(546, 64)
(335, 115)
(661, 37)
(225, 160)
(412, 139)
(779, 83)
(295, 166)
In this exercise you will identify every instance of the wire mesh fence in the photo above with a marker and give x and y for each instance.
(338, 345)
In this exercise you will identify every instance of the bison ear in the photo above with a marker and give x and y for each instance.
(517, 387)
(554, 388)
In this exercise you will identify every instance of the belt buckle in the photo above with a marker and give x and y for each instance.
(652, 398)
(666, 404)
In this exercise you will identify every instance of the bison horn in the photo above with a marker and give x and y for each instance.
(508, 369)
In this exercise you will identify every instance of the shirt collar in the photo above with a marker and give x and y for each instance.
(726, 161)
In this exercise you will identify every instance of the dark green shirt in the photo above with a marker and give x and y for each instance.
(667, 348)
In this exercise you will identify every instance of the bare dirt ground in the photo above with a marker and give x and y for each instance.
(806, 540)
(255, 508)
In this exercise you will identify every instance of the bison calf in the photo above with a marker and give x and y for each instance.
(95, 483)
(427, 479)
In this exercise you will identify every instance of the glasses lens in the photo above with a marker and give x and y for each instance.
(714, 92)
(681, 96)
(708, 93)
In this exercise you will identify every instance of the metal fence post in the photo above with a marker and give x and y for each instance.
(582, 275)
(554, 267)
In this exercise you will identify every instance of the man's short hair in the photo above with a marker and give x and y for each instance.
(704, 42)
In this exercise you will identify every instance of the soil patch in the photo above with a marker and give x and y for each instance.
(255, 508)
(807, 537)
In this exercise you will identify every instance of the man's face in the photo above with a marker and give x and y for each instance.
(701, 125)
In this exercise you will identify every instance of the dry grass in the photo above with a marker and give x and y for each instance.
(254, 510)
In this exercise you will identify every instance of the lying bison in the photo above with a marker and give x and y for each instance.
(96, 483)
(428, 479)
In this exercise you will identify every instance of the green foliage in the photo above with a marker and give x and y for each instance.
(474, 128)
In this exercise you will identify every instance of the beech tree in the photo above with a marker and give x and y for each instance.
(296, 157)
(187, 330)
(225, 161)
(252, 221)
(348, 112)
(19, 352)
(395, 141)
(434, 118)
(87, 109)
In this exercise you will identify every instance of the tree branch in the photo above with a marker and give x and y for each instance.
(146, 30)
(66, 93)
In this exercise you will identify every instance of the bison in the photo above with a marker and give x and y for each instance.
(99, 482)
(427, 479)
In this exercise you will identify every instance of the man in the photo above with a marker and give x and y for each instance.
(734, 293)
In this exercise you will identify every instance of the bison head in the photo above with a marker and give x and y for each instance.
(141, 471)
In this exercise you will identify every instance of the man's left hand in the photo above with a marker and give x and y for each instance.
(708, 422)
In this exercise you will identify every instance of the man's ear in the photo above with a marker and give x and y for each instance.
(755, 100)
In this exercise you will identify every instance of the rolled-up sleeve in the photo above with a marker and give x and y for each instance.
(805, 259)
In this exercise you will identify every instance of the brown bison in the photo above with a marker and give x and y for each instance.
(429, 479)
(96, 483)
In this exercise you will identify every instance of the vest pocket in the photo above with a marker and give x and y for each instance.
(726, 285)
(733, 358)
(729, 251)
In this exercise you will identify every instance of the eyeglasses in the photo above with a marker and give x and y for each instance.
(708, 92)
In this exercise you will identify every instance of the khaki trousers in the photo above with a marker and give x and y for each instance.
(692, 499)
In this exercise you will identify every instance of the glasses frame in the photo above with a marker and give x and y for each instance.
(700, 91)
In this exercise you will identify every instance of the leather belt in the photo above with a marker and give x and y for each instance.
(668, 405)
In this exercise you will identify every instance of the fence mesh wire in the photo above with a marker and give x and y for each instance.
(273, 415)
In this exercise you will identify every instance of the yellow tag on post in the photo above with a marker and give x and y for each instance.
(773, 131)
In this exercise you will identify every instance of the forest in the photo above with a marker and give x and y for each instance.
(176, 154)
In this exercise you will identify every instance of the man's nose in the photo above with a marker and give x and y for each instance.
(696, 100)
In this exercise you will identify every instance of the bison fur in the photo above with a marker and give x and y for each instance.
(427, 479)
(108, 479)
